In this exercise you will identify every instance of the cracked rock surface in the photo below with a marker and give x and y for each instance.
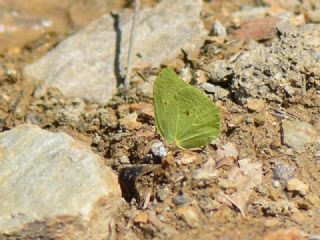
(53, 186)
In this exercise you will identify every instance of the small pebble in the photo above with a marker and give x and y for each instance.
(180, 200)
(283, 171)
(124, 160)
(276, 183)
(218, 29)
(259, 120)
(163, 193)
(141, 217)
(158, 149)
(296, 185)
(209, 204)
(189, 215)
(256, 105)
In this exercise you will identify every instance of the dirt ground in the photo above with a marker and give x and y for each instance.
(176, 197)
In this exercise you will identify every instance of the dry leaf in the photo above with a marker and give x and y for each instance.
(187, 157)
(247, 176)
(207, 170)
(226, 155)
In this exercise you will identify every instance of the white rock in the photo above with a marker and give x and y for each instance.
(218, 29)
(88, 64)
(54, 187)
(158, 149)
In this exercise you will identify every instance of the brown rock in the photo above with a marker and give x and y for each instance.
(296, 185)
(256, 105)
(141, 217)
(130, 121)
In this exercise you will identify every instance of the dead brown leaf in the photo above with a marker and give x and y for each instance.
(226, 155)
(247, 176)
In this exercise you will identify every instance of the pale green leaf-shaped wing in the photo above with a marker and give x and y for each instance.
(194, 119)
(184, 115)
(166, 85)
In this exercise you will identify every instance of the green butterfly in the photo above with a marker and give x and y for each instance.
(185, 116)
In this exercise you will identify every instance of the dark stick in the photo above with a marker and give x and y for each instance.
(131, 46)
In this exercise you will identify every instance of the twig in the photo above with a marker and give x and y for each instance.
(131, 46)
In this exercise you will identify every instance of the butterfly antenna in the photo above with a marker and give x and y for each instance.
(131, 46)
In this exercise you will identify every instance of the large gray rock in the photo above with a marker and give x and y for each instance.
(54, 187)
(87, 64)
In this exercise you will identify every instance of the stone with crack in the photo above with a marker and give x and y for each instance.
(54, 187)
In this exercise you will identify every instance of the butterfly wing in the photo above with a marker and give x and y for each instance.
(195, 119)
(184, 115)
(166, 86)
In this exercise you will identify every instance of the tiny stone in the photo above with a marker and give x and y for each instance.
(262, 190)
(219, 92)
(163, 193)
(219, 71)
(141, 217)
(124, 160)
(96, 139)
(218, 29)
(296, 185)
(283, 171)
(208, 204)
(259, 120)
(189, 215)
(276, 183)
(186, 74)
(158, 149)
(249, 120)
(256, 105)
(146, 89)
(180, 200)
(208, 87)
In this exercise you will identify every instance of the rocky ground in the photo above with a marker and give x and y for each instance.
(258, 60)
